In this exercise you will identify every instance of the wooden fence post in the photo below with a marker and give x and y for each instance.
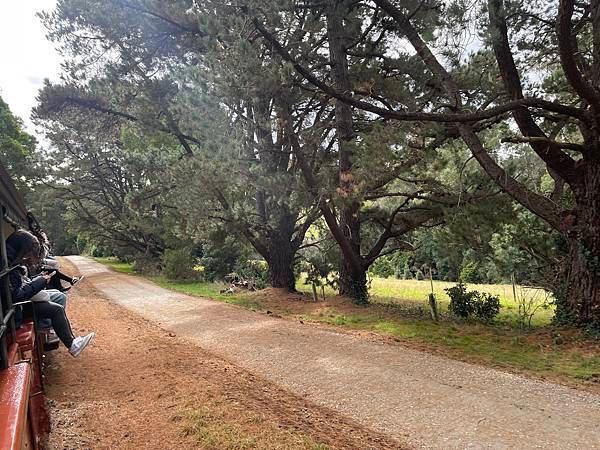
(432, 301)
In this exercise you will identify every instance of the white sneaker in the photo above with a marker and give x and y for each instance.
(79, 343)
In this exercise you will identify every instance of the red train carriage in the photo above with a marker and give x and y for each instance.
(23, 416)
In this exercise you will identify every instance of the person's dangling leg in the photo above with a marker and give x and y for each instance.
(62, 327)
(55, 283)
(58, 318)
(55, 296)
(67, 278)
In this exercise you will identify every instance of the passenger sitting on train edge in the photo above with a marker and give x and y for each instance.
(23, 248)
(50, 295)
(50, 264)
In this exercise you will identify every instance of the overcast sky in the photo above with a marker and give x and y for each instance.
(26, 57)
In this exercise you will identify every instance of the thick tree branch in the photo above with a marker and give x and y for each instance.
(552, 154)
(302, 228)
(544, 141)
(567, 46)
(536, 203)
(412, 116)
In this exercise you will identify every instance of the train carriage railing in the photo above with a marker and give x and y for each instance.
(7, 311)
(14, 214)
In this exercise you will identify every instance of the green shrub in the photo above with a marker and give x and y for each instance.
(178, 264)
(145, 265)
(468, 272)
(97, 251)
(487, 306)
(419, 275)
(382, 267)
(220, 255)
(465, 303)
(398, 273)
(461, 301)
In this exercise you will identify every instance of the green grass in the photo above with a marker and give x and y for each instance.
(117, 265)
(415, 292)
(500, 346)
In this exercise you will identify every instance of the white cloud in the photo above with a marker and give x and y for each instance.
(26, 56)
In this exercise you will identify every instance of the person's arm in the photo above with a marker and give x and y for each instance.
(24, 290)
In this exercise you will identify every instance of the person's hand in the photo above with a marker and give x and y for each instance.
(48, 275)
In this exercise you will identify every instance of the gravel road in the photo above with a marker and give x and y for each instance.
(425, 400)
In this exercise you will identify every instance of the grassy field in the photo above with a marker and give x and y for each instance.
(398, 310)
(391, 291)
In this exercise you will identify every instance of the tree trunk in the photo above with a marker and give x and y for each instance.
(281, 253)
(353, 280)
(578, 297)
(353, 283)
(281, 268)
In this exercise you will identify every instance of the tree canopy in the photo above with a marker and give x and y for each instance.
(461, 136)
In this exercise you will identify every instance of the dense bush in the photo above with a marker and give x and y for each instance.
(97, 251)
(178, 264)
(487, 306)
(390, 265)
(461, 301)
(407, 274)
(382, 267)
(465, 303)
(469, 273)
(220, 255)
(145, 265)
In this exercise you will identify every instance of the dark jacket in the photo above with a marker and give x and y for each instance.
(22, 288)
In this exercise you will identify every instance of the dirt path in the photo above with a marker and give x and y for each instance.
(415, 397)
(141, 387)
